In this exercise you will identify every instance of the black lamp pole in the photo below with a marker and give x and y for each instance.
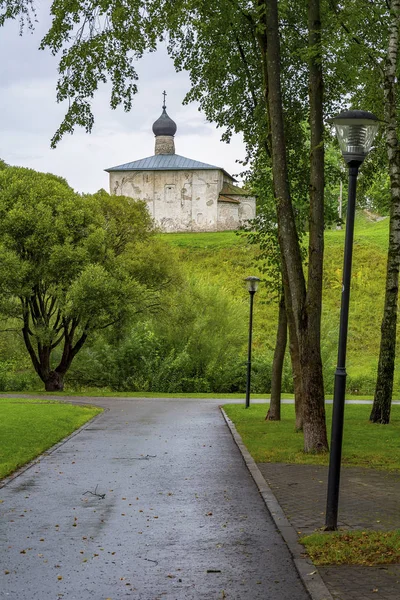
(252, 286)
(358, 129)
(340, 373)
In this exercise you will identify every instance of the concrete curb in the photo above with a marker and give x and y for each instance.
(7, 480)
(308, 573)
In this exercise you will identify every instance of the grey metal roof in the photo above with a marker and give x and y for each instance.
(165, 162)
(164, 125)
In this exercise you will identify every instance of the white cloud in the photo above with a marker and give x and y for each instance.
(29, 116)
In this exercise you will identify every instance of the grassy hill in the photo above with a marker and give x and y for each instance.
(226, 259)
(198, 342)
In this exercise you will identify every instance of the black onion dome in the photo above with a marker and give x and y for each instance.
(164, 125)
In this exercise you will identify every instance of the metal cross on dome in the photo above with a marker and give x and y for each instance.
(164, 94)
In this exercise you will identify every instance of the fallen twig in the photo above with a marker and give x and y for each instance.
(102, 496)
(144, 457)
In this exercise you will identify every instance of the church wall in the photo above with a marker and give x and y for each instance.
(177, 200)
(228, 216)
(206, 186)
(247, 208)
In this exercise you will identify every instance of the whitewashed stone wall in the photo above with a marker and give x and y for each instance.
(247, 208)
(228, 215)
(183, 200)
(177, 200)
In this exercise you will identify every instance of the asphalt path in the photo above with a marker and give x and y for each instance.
(151, 500)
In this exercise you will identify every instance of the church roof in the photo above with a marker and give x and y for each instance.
(166, 162)
(222, 198)
(228, 189)
(164, 125)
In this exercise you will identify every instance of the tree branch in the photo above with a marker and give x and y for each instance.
(353, 37)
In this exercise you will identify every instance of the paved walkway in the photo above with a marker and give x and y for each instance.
(150, 501)
(369, 500)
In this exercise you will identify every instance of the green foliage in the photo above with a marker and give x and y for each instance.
(158, 352)
(229, 266)
(23, 10)
(15, 379)
(196, 344)
(72, 264)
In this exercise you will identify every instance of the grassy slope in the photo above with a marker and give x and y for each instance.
(224, 257)
(29, 427)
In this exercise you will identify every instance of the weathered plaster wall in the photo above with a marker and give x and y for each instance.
(184, 200)
(232, 215)
(247, 208)
(164, 144)
(177, 200)
(228, 215)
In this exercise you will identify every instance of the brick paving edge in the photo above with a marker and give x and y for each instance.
(308, 572)
(7, 480)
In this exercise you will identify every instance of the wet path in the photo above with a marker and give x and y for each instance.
(150, 501)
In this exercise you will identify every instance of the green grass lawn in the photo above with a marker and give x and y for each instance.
(220, 239)
(108, 393)
(353, 547)
(29, 427)
(225, 258)
(364, 444)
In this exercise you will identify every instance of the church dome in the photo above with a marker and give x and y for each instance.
(164, 125)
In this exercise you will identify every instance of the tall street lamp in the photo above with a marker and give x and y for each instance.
(356, 131)
(252, 286)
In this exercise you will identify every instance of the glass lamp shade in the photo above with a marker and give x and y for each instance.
(252, 284)
(356, 131)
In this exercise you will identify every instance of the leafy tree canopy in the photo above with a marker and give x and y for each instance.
(72, 264)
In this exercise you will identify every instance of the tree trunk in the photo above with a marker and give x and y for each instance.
(384, 385)
(274, 412)
(41, 357)
(54, 382)
(306, 323)
(296, 366)
(310, 329)
(296, 371)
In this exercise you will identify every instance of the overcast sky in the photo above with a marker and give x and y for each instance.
(29, 116)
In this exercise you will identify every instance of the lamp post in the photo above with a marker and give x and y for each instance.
(252, 286)
(356, 131)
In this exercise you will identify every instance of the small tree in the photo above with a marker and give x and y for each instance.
(69, 265)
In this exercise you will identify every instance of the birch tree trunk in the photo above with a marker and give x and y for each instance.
(384, 386)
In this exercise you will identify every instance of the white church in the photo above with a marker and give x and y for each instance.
(182, 194)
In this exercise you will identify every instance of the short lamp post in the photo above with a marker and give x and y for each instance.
(252, 287)
(356, 131)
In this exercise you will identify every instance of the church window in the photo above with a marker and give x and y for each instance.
(169, 193)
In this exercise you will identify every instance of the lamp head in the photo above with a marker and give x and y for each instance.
(356, 131)
(252, 284)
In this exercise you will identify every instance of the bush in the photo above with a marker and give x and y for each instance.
(12, 380)
(196, 343)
